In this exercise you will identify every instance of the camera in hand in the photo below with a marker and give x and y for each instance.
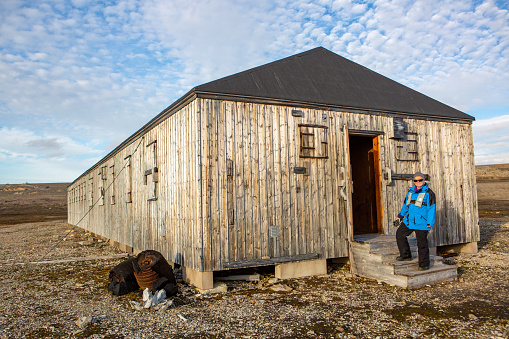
(396, 223)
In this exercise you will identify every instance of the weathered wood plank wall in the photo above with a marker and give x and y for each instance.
(227, 190)
(308, 209)
(170, 224)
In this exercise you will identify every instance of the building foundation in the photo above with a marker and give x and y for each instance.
(301, 269)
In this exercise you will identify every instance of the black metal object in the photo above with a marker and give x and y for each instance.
(297, 113)
(299, 170)
(151, 143)
(151, 171)
(313, 126)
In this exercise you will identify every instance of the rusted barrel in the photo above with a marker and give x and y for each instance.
(150, 266)
(145, 278)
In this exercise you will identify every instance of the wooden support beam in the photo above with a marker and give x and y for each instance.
(270, 261)
(243, 277)
(299, 269)
(201, 280)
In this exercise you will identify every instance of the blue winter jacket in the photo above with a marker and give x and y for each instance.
(419, 218)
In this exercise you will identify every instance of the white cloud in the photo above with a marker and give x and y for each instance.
(485, 125)
(209, 38)
(62, 70)
(27, 156)
(497, 158)
(430, 44)
(21, 142)
(19, 169)
(94, 73)
(491, 140)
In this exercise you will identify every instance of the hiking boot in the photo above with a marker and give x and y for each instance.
(404, 258)
(423, 268)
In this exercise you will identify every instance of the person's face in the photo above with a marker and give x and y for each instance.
(419, 181)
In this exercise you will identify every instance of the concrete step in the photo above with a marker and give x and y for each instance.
(374, 256)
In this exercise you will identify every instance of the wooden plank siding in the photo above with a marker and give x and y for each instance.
(171, 224)
(227, 189)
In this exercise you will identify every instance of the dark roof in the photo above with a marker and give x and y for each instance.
(322, 77)
(316, 77)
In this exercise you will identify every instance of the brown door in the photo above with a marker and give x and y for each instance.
(365, 174)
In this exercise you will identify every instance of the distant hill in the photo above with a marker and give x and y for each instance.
(32, 202)
(500, 171)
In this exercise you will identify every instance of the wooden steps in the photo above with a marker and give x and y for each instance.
(374, 256)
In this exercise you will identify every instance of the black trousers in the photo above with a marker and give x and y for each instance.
(422, 243)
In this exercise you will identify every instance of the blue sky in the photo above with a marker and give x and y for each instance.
(78, 77)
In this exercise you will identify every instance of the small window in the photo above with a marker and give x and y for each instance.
(91, 192)
(313, 141)
(129, 179)
(150, 180)
(103, 176)
(103, 173)
(406, 149)
(151, 175)
(400, 128)
(112, 185)
(100, 191)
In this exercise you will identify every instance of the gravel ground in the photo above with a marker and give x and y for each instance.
(46, 300)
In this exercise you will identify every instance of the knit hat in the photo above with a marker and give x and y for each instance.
(419, 174)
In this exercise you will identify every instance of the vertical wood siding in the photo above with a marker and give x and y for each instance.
(171, 224)
(226, 182)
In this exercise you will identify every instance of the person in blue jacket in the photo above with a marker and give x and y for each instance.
(417, 215)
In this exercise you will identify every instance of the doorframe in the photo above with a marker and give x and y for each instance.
(349, 207)
(374, 135)
(378, 185)
(348, 183)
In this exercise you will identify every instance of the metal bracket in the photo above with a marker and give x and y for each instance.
(388, 176)
(299, 170)
(297, 113)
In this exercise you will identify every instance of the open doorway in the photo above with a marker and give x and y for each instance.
(366, 195)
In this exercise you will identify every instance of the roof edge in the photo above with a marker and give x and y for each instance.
(339, 108)
(194, 94)
(167, 112)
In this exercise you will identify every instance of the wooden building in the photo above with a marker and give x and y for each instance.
(279, 164)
